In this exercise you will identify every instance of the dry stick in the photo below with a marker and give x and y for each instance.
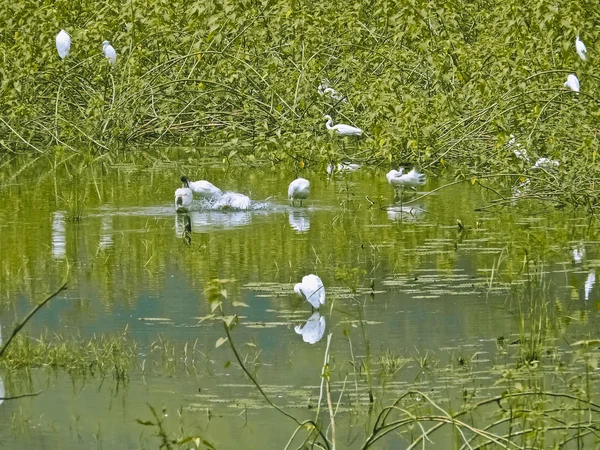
(30, 315)
(249, 375)
(33, 394)
(325, 360)
(331, 414)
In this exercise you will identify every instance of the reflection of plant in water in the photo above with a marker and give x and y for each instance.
(350, 277)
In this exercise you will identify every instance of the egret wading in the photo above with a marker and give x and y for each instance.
(183, 197)
(202, 188)
(400, 180)
(298, 190)
(109, 52)
(63, 44)
(312, 290)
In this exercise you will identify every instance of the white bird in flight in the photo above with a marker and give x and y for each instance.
(183, 197)
(109, 52)
(202, 188)
(312, 290)
(313, 330)
(63, 44)
(298, 190)
(572, 83)
(580, 47)
(342, 128)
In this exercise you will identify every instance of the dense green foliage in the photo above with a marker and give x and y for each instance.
(430, 82)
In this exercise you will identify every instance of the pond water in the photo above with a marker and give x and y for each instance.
(404, 279)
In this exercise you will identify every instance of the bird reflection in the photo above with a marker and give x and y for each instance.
(313, 330)
(299, 220)
(59, 235)
(578, 253)
(207, 220)
(106, 232)
(405, 213)
(589, 284)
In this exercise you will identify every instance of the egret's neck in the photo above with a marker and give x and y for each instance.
(329, 124)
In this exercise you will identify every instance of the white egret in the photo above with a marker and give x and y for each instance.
(59, 235)
(313, 330)
(411, 179)
(298, 190)
(589, 284)
(109, 52)
(580, 47)
(519, 151)
(545, 163)
(572, 83)
(232, 200)
(202, 188)
(63, 44)
(183, 197)
(312, 290)
(342, 128)
(342, 167)
(578, 253)
(324, 88)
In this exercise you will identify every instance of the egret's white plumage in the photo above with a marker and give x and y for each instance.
(589, 284)
(298, 190)
(109, 52)
(519, 151)
(312, 290)
(572, 83)
(580, 47)
(411, 179)
(324, 88)
(202, 188)
(578, 253)
(63, 43)
(232, 200)
(342, 128)
(342, 167)
(313, 330)
(183, 199)
(545, 163)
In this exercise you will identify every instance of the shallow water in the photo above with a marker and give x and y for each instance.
(425, 289)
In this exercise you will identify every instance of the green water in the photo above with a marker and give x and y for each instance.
(425, 288)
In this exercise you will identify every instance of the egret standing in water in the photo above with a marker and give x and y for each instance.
(401, 180)
(202, 188)
(183, 197)
(298, 190)
(63, 44)
(109, 52)
(572, 83)
(312, 290)
(580, 47)
(342, 128)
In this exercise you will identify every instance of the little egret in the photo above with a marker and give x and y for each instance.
(183, 197)
(411, 179)
(580, 47)
(324, 88)
(312, 290)
(109, 52)
(313, 330)
(298, 190)
(232, 200)
(572, 83)
(545, 163)
(63, 44)
(518, 150)
(202, 188)
(342, 128)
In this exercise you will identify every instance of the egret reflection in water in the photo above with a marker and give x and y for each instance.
(313, 330)
(405, 213)
(59, 235)
(299, 221)
(199, 221)
(589, 284)
(578, 253)
(106, 232)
